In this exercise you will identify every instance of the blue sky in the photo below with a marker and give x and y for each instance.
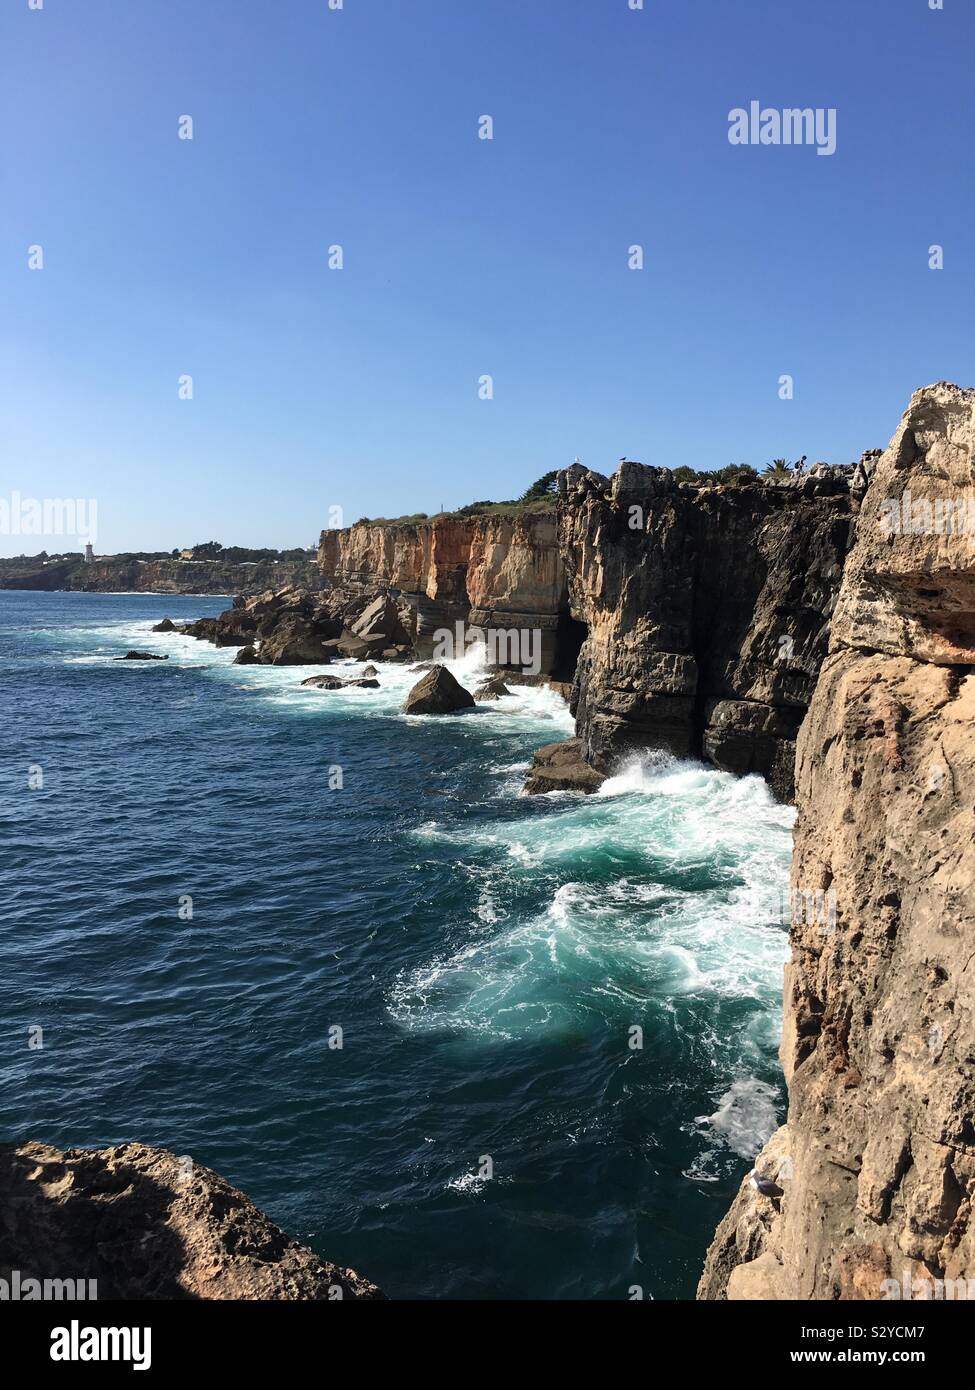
(358, 388)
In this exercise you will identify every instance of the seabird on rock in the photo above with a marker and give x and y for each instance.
(764, 1185)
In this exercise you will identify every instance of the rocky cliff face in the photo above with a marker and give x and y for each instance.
(143, 1223)
(875, 1168)
(490, 571)
(707, 612)
(120, 574)
(704, 612)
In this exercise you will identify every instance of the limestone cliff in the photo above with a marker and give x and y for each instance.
(114, 574)
(143, 1223)
(875, 1168)
(704, 612)
(490, 571)
(707, 611)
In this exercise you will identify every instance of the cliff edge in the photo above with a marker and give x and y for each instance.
(869, 1186)
(143, 1223)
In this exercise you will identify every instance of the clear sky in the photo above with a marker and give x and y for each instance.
(358, 388)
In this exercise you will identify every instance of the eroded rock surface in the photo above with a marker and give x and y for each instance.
(438, 693)
(877, 1160)
(144, 1223)
(707, 611)
(561, 767)
(500, 572)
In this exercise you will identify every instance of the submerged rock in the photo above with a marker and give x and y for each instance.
(370, 671)
(561, 767)
(141, 656)
(333, 683)
(493, 689)
(324, 682)
(438, 693)
(146, 1224)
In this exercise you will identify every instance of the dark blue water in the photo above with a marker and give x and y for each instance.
(486, 1129)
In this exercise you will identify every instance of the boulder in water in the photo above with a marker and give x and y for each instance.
(438, 693)
(560, 767)
(324, 682)
(333, 683)
(167, 625)
(247, 656)
(141, 656)
(493, 689)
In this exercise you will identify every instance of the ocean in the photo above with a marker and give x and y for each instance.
(471, 1043)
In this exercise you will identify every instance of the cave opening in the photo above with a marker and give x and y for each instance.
(569, 637)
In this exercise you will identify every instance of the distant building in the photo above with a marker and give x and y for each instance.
(186, 554)
(89, 554)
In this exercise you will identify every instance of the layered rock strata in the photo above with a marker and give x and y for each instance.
(499, 573)
(876, 1164)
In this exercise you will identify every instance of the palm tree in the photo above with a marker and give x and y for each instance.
(777, 466)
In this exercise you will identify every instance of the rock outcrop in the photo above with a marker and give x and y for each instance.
(561, 767)
(438, 693)
(129, 574)
(707, 611)
(333, 683)
(493, 689)
(877, 1160)
(494, 573)
(145, 1224)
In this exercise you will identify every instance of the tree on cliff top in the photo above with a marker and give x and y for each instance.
(543, 487)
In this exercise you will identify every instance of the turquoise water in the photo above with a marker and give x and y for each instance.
(486, 1128)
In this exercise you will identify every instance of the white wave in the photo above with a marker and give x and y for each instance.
(747, 1115)
(469, 1183)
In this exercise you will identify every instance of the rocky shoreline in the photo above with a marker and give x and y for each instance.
(875, 1165)
(132, 1222)
(120, 574)
(786, 627)
(679, 616)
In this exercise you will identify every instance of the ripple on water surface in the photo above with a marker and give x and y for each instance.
(584, 990)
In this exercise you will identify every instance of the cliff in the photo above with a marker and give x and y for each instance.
(143, 1223)
(874, 1172)
(130, 574)
(707, 611)
(494, 571)
(702, 613)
